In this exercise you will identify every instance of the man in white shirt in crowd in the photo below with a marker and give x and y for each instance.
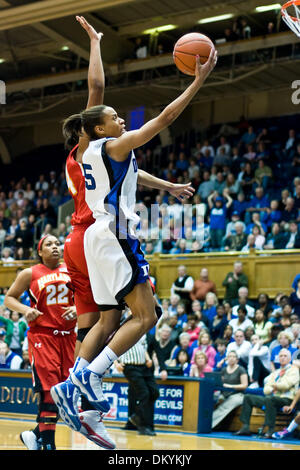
(241, 346)
(244, 302)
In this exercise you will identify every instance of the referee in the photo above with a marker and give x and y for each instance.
(137, 367)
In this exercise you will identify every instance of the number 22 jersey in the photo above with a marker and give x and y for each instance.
(49, 292)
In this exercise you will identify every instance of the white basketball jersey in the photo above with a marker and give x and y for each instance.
(110, 186)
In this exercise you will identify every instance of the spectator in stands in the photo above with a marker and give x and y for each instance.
(218, 323)
(241, 322)
(232, 185)
(259, 203)
(202, 320)
(273, 214)
(200, 365)
(247, 180)
(290, 212)
(6, 257)
(207, 187)
(183, 285)
(233, 281)
(248, 137)
(204, 344)
(259, 366)
(140, 49)
(279, 390)
(263, 303)
(41, 184)
(285, 340)
(295, 300)
(243, 301)
(218, 212)
(230, 226)
(210, 306)
(15, 327)
(263, 175)
(184, 341)
(293, 236)
(202, 286)
(276, 240)
(260, 239)
(235, 242)
(240, 205)
(250, 155)
(262, 326)
(246, 29)
(174, 300)
(241, 346)
(192, 328)
(8, 359)
(228, 334)
(220, 358)
(162, 347)
(290, 145)
(234, 377)
(24, 238)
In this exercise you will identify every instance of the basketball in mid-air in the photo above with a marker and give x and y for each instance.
(186, 49)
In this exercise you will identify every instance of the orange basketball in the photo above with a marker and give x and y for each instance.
(186, 49)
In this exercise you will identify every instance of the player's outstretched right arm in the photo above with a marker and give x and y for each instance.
(119, 148)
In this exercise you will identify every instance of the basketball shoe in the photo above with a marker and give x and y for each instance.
(65, 395)
(90, 385)
(93, 429)
(284, 434)
(30, 440)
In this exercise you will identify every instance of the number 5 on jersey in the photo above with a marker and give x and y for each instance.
(90, 182)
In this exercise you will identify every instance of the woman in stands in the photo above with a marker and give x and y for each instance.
(51, 336)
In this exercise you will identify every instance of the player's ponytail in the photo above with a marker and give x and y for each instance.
(71, 130)
(86, 120)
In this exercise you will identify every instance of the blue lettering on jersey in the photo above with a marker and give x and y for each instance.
(90, 182)
(135, 167)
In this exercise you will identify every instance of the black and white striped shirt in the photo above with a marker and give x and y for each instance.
(137, 354)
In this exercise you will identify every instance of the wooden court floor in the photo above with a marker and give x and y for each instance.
(66, 439)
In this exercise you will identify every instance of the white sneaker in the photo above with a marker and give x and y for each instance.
(93, 429)
(254, 385)
(30, 440)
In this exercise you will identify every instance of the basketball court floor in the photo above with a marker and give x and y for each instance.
(66, 439)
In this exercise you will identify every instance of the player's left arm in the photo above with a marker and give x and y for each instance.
(96, 77)
(180, 191)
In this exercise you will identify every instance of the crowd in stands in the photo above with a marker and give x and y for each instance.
(247, 341)
(247, 192)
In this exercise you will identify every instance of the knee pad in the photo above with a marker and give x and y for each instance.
(81, 333)
(48, 412)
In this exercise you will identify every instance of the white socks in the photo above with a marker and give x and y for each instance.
(103, 361)
(292, 426)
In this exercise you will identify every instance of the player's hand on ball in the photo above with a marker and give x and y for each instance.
(70, 313)
(203, 71)
(89, 29)
(32, 314)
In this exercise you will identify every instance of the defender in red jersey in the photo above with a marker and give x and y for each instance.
(51, 335)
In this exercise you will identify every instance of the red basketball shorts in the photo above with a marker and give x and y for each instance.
(75, 260)
(51, 354)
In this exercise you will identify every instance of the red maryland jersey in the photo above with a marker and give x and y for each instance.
(76, 185)
(49, 293)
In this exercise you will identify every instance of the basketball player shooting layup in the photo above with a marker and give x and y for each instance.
(117, 269)
(89, 323)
